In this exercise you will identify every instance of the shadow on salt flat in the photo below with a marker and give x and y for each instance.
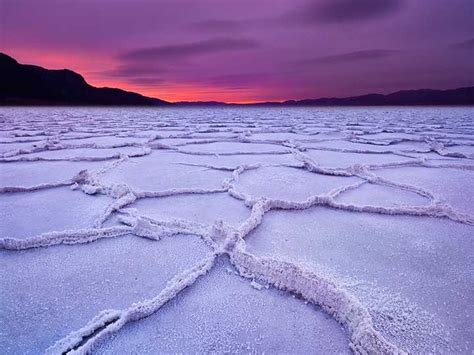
(342, 144)
(236, 160)
(161, 172)
(423, 259)
(82, 152)
(377, 195)
(453, 186)
(234, 147)
(163, 132)
(468, 150)
(4, 148)
(106, 140)
(289, 183)
(389, 136)
(222, 313)
(178, 141)
(197, 208)
(409, 146)
(208, 135)
(28, 214)
(49, 292)
(31, 140)
(282, 136)
(23, 133)
(343, 160)
(35, 173)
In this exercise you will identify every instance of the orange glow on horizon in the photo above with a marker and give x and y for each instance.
(181, 92)
(91, 67)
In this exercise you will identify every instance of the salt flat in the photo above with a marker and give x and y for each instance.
(302, 230)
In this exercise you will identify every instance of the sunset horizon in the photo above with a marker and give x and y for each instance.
(208, 51)
(204, 99)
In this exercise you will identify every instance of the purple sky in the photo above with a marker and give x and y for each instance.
(243, 51)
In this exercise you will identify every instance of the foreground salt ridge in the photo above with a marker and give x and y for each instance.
(225, 240)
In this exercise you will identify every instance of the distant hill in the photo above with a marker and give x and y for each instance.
(32, 85)
(422, 97)
(461, 96)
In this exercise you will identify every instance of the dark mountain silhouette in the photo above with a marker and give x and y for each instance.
(461, 96)
(422, 97)
(32, 85)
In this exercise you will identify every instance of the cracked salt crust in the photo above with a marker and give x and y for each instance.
(254, 158)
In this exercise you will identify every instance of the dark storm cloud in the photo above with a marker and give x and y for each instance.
(350, 10)
(180, 51)
(146, 82)
(125, 71)
(355, 56)
(247, 79)
(466, 45)
(340, 11)
(217, 25)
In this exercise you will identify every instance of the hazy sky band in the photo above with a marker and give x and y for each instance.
(242, 51)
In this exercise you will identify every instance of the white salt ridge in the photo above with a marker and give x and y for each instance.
(35, 187)
(64, 237)
(110, 321)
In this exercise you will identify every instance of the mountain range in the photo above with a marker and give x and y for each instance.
(22, 84)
